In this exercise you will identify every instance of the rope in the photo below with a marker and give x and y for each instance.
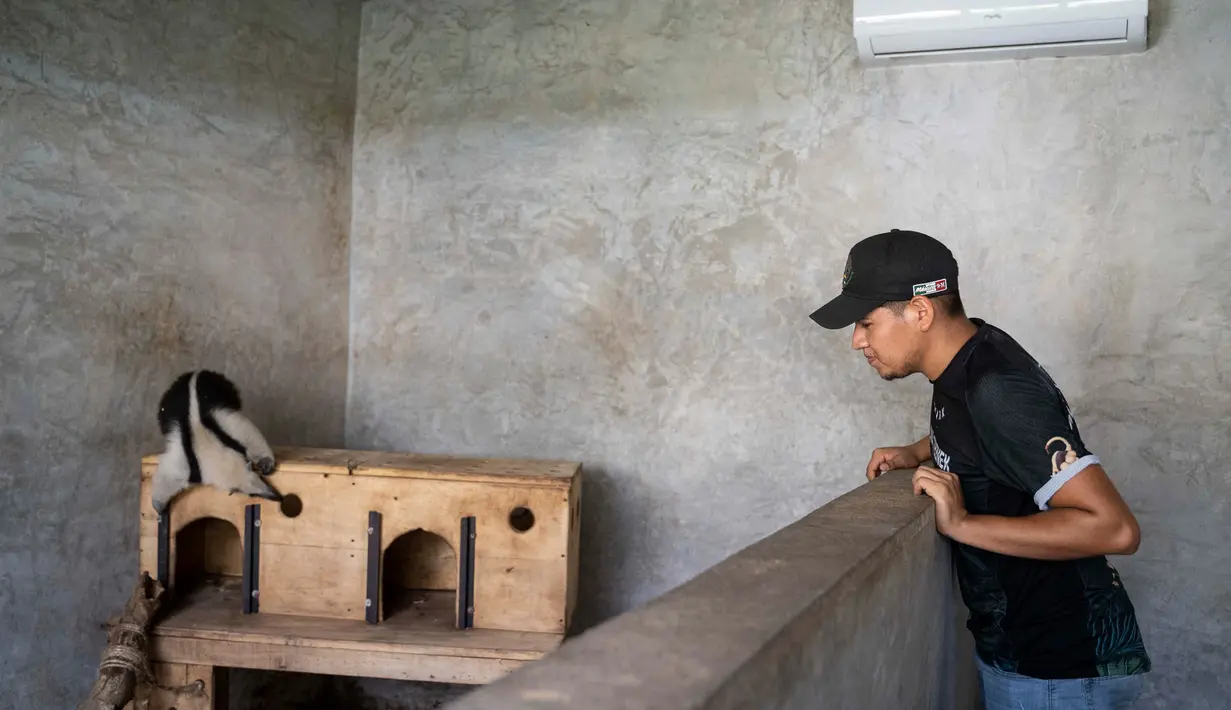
(125, 657)
(134, 629)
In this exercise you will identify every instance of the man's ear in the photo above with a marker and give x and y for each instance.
(924, 311)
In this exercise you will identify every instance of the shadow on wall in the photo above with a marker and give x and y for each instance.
(599, 521)
(1159, 22)
(253, 50)
(616, 506)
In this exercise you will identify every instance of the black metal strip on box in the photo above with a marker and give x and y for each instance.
(465, 573)
(252, 558)
(164, 549)
(371, 601)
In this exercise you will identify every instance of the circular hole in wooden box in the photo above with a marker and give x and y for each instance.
(521, 519)
(291, 505)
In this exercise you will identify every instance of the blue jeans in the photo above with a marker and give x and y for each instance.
(1002, 690)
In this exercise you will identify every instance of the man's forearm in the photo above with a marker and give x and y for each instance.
(1056, 534)
(922, 449)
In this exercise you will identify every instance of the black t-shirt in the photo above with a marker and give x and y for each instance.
(1003, 427)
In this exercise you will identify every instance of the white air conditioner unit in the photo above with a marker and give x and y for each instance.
(920, 31)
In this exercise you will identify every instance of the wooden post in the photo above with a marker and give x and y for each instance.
(211, 694)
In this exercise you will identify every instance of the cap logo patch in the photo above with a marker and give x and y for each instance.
(927, 289)
(847, 272)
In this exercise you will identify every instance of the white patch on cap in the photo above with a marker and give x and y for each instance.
(927, 289)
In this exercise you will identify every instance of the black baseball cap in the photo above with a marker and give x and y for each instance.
(892, 266)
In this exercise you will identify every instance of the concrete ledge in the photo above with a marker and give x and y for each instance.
(853, 605)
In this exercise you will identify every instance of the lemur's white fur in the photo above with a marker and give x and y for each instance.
(195, 404)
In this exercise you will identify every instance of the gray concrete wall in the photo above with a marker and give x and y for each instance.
(174, 193)
(853, 606)
(594, 230)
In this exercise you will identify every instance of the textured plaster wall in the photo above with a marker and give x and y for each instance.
(174, 193)
(595, 230)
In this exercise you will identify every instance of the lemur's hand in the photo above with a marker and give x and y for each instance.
(264, 466)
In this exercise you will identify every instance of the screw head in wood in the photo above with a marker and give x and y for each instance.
(367, 602)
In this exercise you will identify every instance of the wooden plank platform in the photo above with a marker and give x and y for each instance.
(208, 628)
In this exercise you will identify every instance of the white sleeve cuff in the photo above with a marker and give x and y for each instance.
(1049, 489)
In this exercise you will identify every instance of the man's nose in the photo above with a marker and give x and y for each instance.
(858, 342)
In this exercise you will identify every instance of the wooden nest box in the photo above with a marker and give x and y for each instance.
(374, 564)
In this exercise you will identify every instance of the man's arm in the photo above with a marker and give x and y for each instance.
(922, 449)
(890, 457)
(1087, 517)
(1030, 443)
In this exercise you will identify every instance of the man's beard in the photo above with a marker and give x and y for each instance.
(906, 370)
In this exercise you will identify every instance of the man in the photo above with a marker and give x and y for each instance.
(1029, 509)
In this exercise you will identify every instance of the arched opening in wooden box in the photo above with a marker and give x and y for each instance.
(209, 554)
(419, 580)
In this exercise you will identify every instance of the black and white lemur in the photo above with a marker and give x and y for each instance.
(208, 441)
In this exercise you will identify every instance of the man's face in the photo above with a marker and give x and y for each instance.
(889, 341)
